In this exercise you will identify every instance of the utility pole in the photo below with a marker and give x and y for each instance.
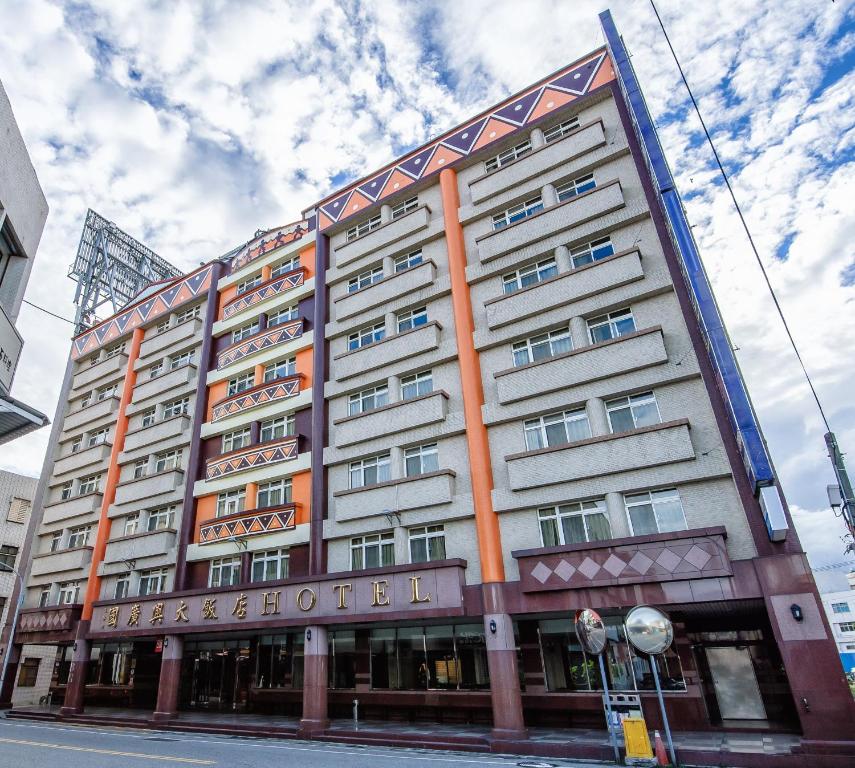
(847, 498)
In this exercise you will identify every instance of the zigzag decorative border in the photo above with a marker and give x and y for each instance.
(267, 241)
(279, 390)
(248, 524)
(175, 293)
(511, 116)
(259, 456)
(272, 288)
(260, 341)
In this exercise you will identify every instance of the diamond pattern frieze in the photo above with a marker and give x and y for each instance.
(614, 565)
(541, 572)
(668, 560)
(697, 557)
(564, 570)
(589, 568)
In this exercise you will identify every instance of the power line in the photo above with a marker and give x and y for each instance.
(48, 312)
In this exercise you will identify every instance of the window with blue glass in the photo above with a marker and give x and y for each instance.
(517, 213)
(575, 187)
(611, 326)
(590, 252)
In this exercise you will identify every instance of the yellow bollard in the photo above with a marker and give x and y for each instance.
(636, 739)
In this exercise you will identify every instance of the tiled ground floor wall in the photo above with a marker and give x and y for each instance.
(34, 674)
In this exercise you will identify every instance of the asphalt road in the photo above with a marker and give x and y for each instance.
(37, 745)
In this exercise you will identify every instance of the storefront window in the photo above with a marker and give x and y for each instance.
(384, 659)
(110, 664)
(471, 646)
(62, 664)
(280, 661)
(441, 659)
(566, 667)
(342, 659)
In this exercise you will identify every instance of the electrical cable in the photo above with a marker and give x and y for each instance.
(742, 219)
(48, 312)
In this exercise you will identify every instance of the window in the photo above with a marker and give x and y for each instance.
(76, 443)
(152, 582)
(374, 551)
(655, 512)
(412, 319)
(234, 440)
(556, 429)
(244, 331)
(163, 326)
(364, 279)
(847, 626)
(160, 518)
(248, 284)
(408, 260)
(56, 541)
(29, 672)
(542, 347)
(590, 252)
(93, 360)
(368, 400)
(65, 490)
(89, 484)
(178, 407)
(44, 596)
(530, 275)
(508, 156)
(574, 523)
(97, 438)
(416, 385)
(68, 591)
(116, 349)
(8, 554)
(132, 524)
(289, 265)
(155, 369)
(369, 471)
(104, 393)
(285, 315)
(270, 566)
(188, 314)
(575, 187)
(140, 468)
(402, 209)
(517, 213)
(280, 369)
(427, 543)
(275, 429)
(148, 417)
(177, 361)
(274, 494)
(231, 502)
(123, 586)
(18, 510)
(421, 459)
(611, 326)
(840, 607)
(85, 400)
(240, 383)
(78, 537)
(555, 132)
(363, 228)
(633, 412)
(366, 336)
(167, 461)
(224, 571)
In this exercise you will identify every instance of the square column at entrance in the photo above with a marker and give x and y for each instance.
(170, 676)
(73, 704)
(315, 680)
(10, 673)
(505, 695)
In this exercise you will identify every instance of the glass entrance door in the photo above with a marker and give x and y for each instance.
(219, 674)
(735, 683)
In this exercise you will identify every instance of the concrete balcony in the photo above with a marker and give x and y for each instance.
(551, 155)
(255, 457)
(400, 416)
(387, 233)
(277, 286)
(164, 383)
(59, 562)
(551, 221)
(83, 459)
(389, 350)
(262, 394)
(150, 490)
(589, 280)
(253, 522)
(603, 455)
(90, 504)
(100, 373)
(418, 492)
(270, 337)
(162, 431)
(76, 420)
(385, 290)
(140, 545)
(631, 352)
(161, 341)
(700, 553)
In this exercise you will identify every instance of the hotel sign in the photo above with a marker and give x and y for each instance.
(390, 594)
(10, 350)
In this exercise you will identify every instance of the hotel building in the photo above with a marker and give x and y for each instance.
(386, 452)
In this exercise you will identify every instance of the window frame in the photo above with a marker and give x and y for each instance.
(218, 566)
(405, 207)
(411, 319)
(575, 187)
(241, 436)
(228, 499)
(542, 270)
(364, 279)
(358, 402)
(282, 486)
(518, 212)
(557, 513)
(610, 320)
(408, 260)
(426, 533)
(560, 130)
(540, 426)
(632, 402)
(508, 156)
(425, 456)
(675, 493)
(167, 461)
(280, 557)
(551, 338)
(362, 228)
(384, 542)
(370, 334)
(288, 364)
(381, 464)
(598, 249)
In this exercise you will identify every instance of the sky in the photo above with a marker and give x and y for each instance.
(193, 124)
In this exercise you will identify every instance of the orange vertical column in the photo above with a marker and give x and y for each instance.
(480, 465)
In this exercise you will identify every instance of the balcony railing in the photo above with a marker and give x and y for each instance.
(263, 394)
(243, 459)
(264, 291)
(267, 338)
(254, 522)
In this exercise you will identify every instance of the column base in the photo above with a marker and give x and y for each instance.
(65, 711)
(309, 728)
(163, 717)
(509, 734)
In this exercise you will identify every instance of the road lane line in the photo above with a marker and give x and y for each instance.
(113, 752)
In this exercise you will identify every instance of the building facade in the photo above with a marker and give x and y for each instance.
(839, 609)
(386, 452)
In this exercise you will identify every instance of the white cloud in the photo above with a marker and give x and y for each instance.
(192, 124)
